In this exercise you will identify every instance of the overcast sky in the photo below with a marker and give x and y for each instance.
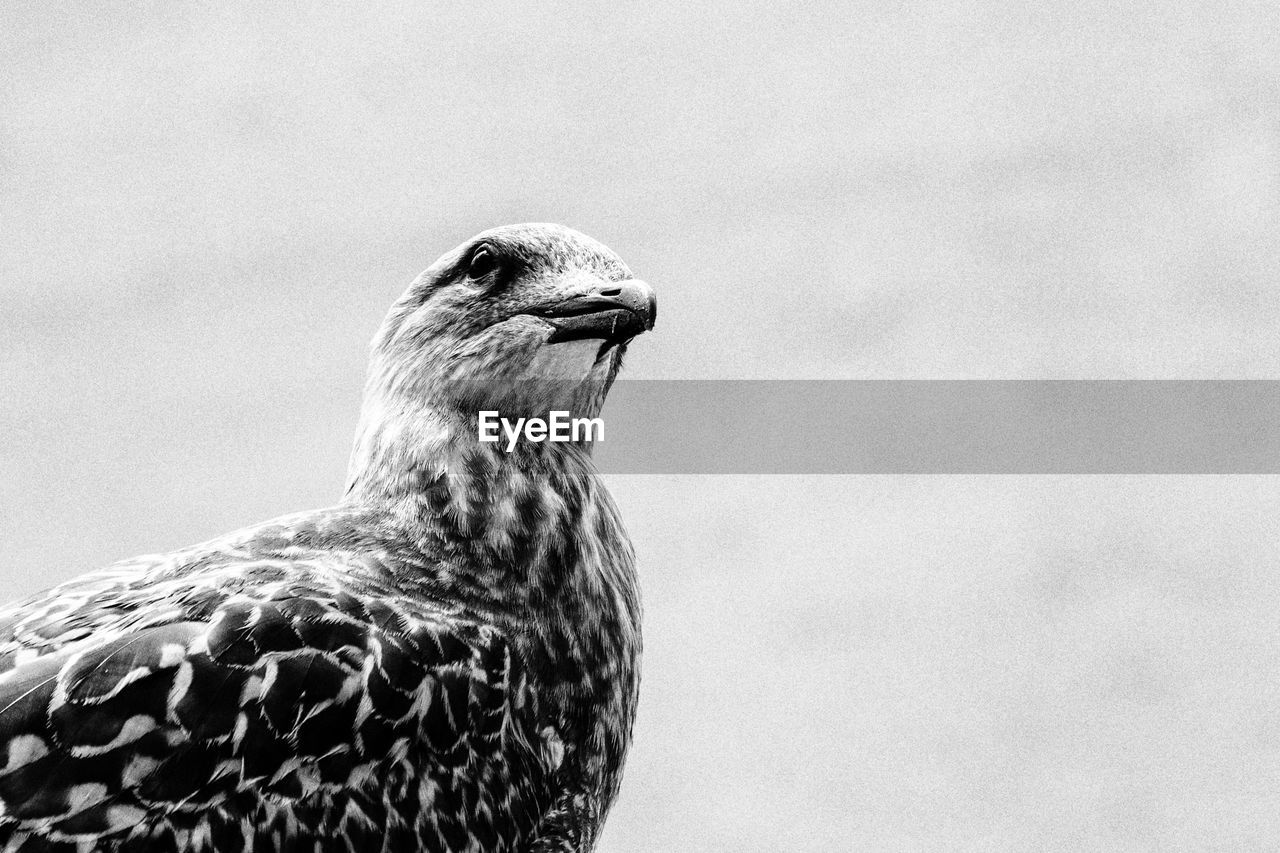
(207, 211)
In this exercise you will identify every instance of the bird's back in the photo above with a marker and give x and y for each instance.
(277, 689)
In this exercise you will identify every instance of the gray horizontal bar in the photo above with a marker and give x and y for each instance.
(942, 427)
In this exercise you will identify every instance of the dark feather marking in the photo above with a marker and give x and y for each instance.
(209, 707)
(272, 631)
(229, 639)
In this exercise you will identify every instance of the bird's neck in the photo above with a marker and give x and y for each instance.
(397, 442)
(532, 542)
(403, 446)
(521, 512)
(528, 535)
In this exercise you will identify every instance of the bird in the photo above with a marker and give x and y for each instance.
(446, 659)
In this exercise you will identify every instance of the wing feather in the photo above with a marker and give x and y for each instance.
(306, 711)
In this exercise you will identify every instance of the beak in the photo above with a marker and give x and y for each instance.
(613, 311)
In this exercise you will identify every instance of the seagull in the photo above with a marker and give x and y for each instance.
(447, 659)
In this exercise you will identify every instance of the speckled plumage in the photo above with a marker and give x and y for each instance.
(448, 660)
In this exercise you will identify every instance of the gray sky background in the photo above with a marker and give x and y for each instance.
(207, 210)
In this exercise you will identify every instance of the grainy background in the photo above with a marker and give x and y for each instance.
(206, 212)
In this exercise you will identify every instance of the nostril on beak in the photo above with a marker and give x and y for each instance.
(632, 295)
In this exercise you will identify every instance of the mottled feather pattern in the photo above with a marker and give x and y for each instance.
(316, 683)
(447, 661)
(271, 703)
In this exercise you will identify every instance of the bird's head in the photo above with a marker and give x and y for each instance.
(523, 316)
(522, 319)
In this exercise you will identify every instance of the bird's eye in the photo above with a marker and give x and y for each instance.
(484, 260)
